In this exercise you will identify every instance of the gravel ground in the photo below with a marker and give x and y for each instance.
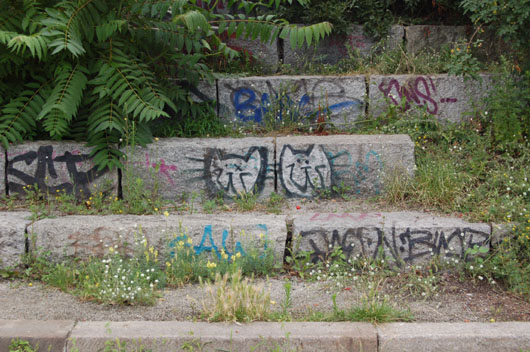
(456, 301)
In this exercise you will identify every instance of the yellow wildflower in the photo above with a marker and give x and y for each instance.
(210, 265)
(166, 213)
(111, 250)
(190, 241)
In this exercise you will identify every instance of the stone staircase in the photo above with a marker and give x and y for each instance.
(300, 167)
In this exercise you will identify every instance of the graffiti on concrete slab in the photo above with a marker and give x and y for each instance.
(305, 97)
(234, 174)
(52, 172)
(95, 243)
(160, 167)
(305, 172)
(208, 245)
(407, 245)
(419, 91)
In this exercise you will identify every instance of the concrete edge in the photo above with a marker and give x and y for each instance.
(299, 336)
(505, 336)
(50, 335)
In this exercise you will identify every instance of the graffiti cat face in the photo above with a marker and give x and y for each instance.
(304, 171)
(235, 174)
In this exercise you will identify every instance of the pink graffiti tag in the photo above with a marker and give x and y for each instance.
(329, 216)
(418, 92)
(163, 168)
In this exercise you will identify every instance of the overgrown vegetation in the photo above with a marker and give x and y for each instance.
(94, 69)
(134, 274)
(234, 298)
(376, 16)
(19, 345)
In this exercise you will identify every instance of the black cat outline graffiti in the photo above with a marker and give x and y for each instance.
(314, 170)
(246, 173)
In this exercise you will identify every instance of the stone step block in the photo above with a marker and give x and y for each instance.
(260, 53)
(337, 47)
(56, 167)
(204, 91)
(309, 166)
(401, 237)
(447, 98)
(208, 166)
(256, 99)
(421, 37)
(13, 237)
(84, 236)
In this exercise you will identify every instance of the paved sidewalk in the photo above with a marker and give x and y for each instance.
(293, 336)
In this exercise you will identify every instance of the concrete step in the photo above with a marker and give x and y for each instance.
(295, 166)
(83, 236)
(400, 237)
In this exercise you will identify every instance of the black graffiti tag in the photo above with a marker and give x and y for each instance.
(79, 181)
(400, 246)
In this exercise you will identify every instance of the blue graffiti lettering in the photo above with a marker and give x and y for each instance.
(335, 108)
(212, 247)
(251, 108)
(244, 101)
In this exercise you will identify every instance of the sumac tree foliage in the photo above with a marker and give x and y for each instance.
(93, 69)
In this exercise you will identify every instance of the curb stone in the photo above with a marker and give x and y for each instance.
(469, 337)
(49, 335)
(260, 336)
(263, 336)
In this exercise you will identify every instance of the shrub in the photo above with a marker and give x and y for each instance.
(94, 69)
